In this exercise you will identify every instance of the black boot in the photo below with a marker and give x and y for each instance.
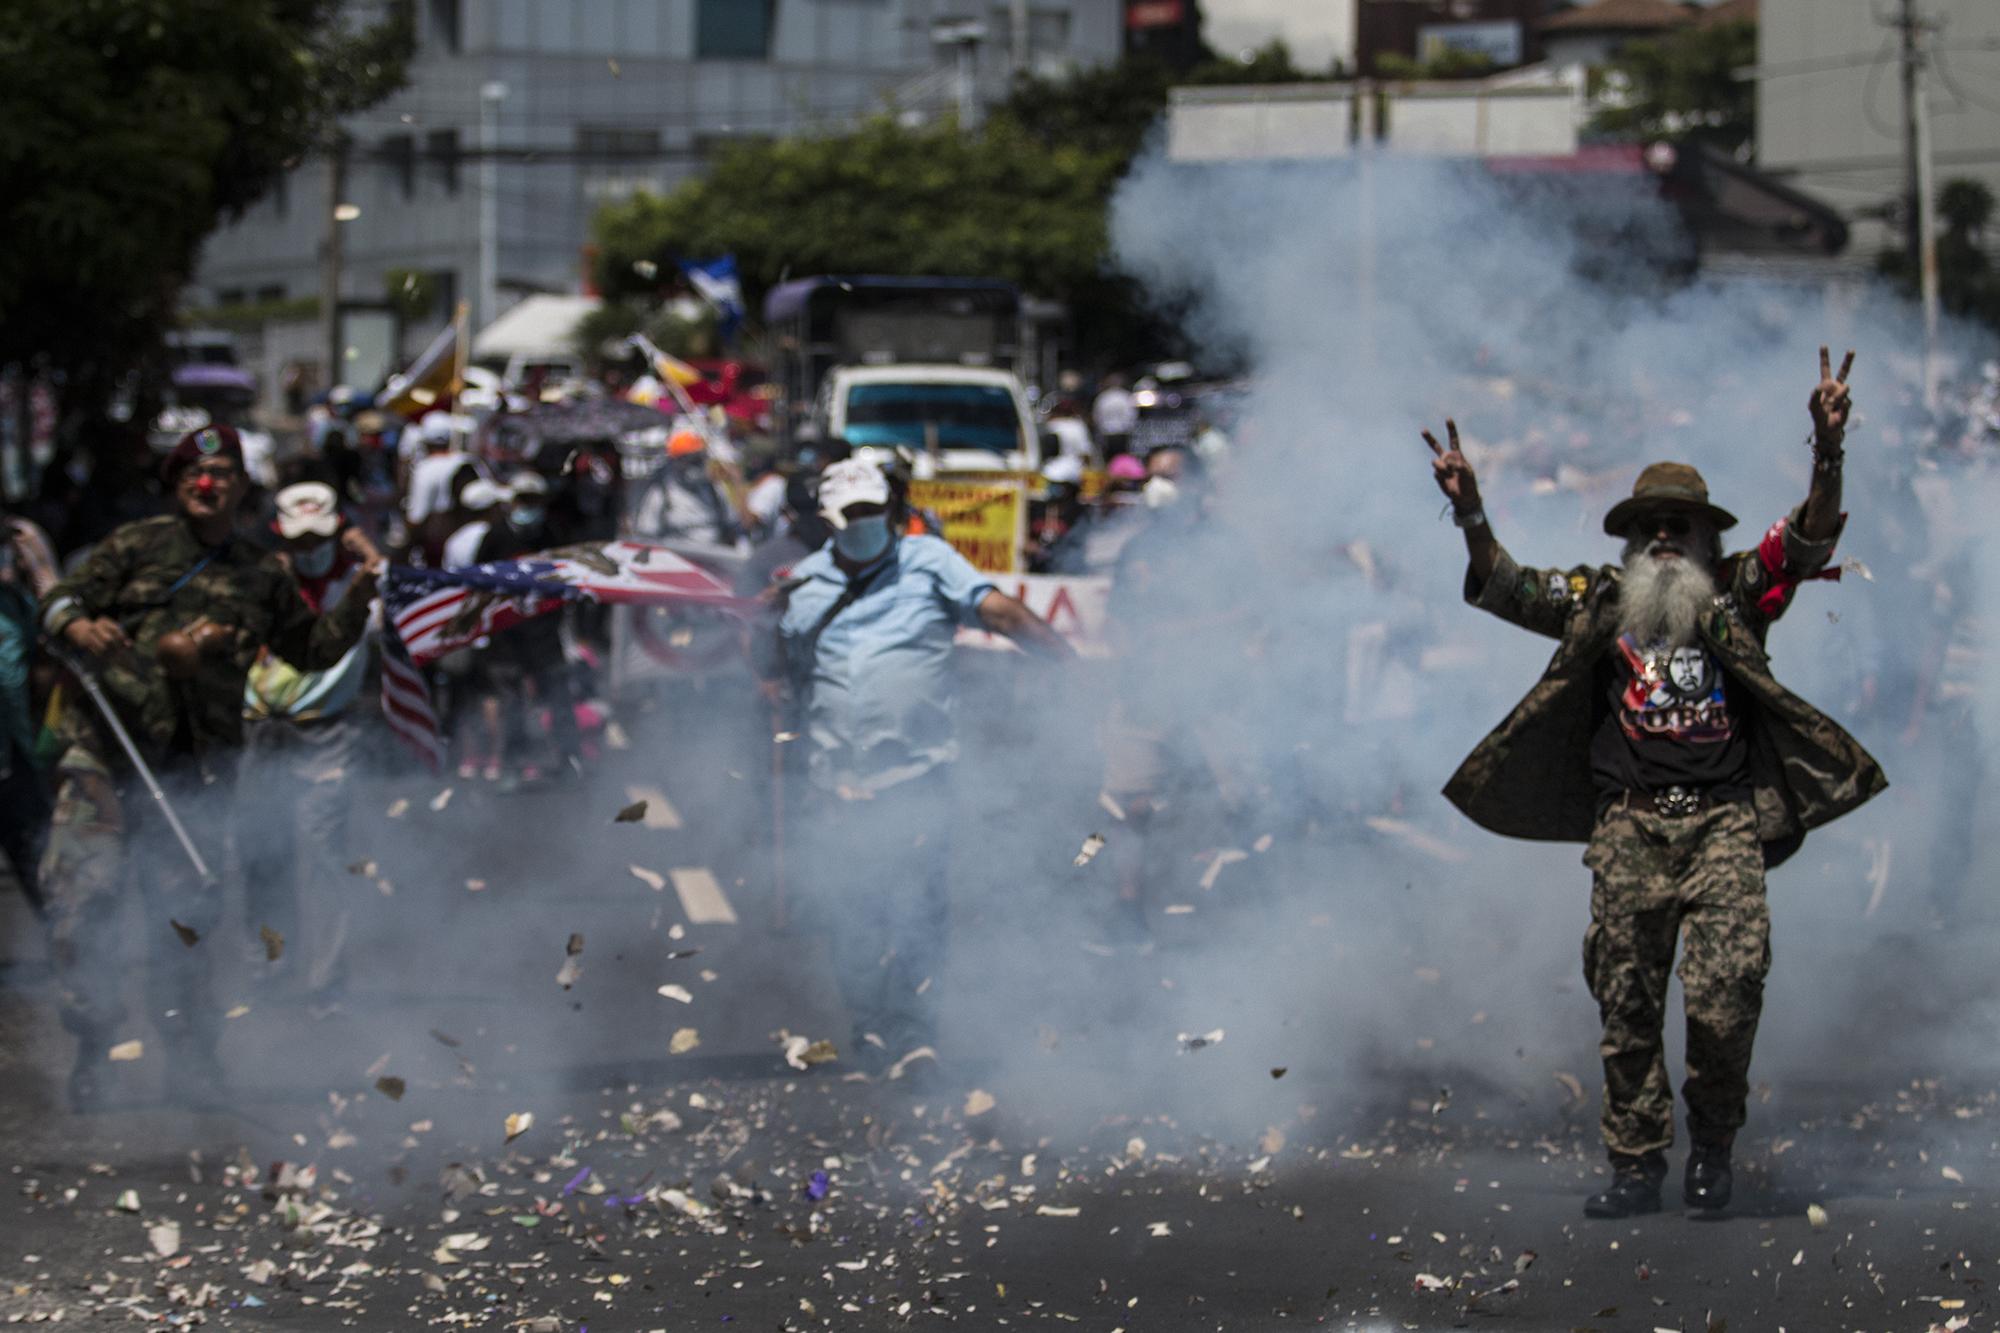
(1706, 1186)
(1634, 1188)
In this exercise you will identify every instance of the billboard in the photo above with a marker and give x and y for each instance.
(1499, 41)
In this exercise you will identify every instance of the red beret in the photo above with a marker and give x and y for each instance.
(208, 442)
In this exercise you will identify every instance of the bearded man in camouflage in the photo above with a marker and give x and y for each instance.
(1658, 736)
(170, 612)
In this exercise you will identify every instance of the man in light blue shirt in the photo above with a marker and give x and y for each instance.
(866, 642)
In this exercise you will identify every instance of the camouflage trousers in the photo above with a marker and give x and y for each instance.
(106, 835)
(1696, 880)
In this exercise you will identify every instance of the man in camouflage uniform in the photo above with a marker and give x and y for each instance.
(170, 613)
(1658, 736)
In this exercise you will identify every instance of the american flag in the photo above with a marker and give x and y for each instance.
(431, 612)
(436, 611)
(406, 704)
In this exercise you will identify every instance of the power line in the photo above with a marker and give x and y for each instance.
(1868, 90)
(1850, 60)
(1945, 76)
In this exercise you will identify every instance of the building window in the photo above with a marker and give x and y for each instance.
(399, 152)
(445, 27)
(734, 29)
(441, 152)
(229, 296)
(271, 295)
(1047, 34)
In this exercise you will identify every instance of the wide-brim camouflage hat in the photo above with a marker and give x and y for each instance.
(1664, 487)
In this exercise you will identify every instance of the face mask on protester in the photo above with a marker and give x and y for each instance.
(1159, 492)
(526, 516)
(863, 539)
(315, 561)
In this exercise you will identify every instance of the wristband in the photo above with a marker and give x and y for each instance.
(1475, 519)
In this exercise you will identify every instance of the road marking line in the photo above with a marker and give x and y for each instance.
(701, 897)
(660, 812)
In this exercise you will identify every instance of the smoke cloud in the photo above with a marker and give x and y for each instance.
(1358, 943)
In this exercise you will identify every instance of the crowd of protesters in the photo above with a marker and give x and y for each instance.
(468, 483)
(1130, 488)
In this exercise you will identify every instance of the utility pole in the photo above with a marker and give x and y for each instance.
(330, 258)
(1919, 191)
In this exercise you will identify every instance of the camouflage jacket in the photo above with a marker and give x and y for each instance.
(144, 575)
(1531, 777)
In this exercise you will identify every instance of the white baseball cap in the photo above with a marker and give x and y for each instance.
(479, 493)
(851, 481)
(309, 507)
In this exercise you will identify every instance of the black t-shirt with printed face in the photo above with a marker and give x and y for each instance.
(1672, 722)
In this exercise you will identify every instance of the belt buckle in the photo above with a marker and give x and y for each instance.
(1677, 802)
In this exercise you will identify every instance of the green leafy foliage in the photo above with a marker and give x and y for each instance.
(1449, 63)
(129, 129)
(1109, 109)
(1968, 284)
(1684, 86)
(883, 199)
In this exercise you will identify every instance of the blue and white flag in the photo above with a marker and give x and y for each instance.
(715, 281)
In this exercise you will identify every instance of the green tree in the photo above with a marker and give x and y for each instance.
(1968, 284)
(129, 129)
(1450, 63)
(882, 199)
(1109, 109)
(1683, 86)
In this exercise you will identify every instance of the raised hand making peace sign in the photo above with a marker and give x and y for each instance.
(1454, 477)
(1452, 472)
(1830, 403)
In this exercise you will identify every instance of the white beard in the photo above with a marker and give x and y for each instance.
(1661, 601)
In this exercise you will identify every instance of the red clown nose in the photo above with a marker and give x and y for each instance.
(204, 485)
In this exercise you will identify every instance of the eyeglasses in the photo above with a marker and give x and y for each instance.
(219, 471)
(1674, 525)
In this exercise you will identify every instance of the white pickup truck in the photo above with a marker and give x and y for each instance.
(951, 418)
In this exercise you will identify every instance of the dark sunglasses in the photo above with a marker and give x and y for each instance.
(1674, 525)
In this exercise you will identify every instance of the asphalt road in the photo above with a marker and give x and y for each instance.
(1074, 1160)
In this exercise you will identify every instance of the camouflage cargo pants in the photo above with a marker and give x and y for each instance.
(102, 822)
(1697, 880)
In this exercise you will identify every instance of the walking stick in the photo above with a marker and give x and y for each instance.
(88, 680)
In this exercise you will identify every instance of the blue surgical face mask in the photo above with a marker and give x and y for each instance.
(314, 562)
(863, 539)
(525, 516)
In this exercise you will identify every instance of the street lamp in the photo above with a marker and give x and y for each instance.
(491, 95)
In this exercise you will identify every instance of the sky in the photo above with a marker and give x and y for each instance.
(1316, 30)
